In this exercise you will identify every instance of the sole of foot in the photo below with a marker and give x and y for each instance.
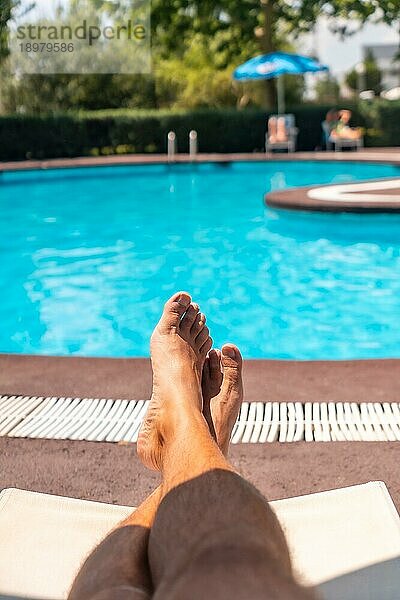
(179, 347)
(222, 387)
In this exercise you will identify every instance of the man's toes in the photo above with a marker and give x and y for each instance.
(206, 347)
(174, 308)
(206, 375)
(189, 318)
(214, 358)
(202, 337)
(198, 325)
(231, 361)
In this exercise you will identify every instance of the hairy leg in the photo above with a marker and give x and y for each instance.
(214, 535)
(118, 567)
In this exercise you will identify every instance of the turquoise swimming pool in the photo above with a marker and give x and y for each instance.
(88, 257)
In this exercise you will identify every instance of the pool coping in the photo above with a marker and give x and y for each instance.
(264, 380)
(376, 155)
(340, 197)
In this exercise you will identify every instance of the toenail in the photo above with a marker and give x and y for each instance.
(183, 300)
(228, 351)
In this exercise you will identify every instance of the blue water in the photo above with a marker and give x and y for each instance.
(88, 256)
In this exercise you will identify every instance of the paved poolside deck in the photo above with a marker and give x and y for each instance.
(376, 155)
(264, 380)
(112, 473)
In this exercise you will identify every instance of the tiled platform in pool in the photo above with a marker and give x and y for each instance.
(364, 197)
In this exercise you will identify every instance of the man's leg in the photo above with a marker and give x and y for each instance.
(118, 568)
(214, 535)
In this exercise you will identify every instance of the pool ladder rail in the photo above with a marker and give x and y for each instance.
(107, 420)
(172, 145)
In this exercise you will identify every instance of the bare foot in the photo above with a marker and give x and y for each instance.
(222, 393)
(178, 348)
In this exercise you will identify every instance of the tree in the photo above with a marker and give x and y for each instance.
(6, 7)
(260, 25)
(327, 90)
(196, 46)
(371, 79)
(7, 10)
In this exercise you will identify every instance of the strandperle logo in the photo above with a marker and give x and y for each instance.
(79, 38)
(85, 31)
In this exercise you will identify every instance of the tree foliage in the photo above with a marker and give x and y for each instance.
(196, 44)
(327, 90)
(371, 79)
(7, 10)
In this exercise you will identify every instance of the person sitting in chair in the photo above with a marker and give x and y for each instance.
(277, 130)
(343, 129)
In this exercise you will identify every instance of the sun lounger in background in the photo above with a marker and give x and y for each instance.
(346, 541)
(285, 124)
(338, 143)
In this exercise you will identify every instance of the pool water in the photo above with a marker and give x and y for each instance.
(88, 256)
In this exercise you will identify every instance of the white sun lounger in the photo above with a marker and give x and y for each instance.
(346, 541)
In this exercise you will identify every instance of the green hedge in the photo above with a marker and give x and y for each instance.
(123, 131)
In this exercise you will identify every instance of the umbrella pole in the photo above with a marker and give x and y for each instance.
(281, 95)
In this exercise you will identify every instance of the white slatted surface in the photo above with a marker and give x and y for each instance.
(101, 419)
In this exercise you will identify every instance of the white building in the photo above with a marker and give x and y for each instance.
(385, 56)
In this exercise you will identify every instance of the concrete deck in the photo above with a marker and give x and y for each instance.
(376, 155)
(264, 380)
